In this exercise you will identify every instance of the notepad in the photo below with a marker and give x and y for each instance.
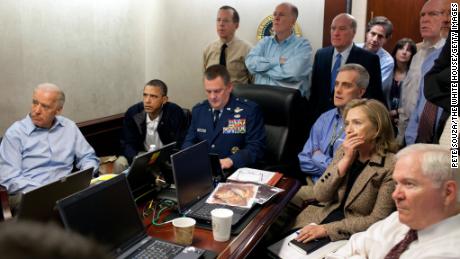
(252, 175)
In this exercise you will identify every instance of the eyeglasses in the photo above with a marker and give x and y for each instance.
(432, 13)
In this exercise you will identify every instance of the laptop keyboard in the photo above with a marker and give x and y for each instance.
(159, 250)
(204, 212)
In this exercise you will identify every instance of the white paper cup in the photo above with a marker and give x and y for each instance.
(221, 224)
(183, 230)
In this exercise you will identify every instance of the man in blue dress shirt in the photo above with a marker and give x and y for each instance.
(43, 146)
(233, 127)
(327, 134)
(379, 30)
(283, 59)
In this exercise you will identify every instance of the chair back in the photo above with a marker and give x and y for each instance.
(284, 112)
(4, 204)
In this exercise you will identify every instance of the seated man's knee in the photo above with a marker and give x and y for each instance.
(120, 165)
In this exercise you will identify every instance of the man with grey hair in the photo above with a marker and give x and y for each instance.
(43, 146)
(426, 222)
(412, 102)
(328, 60)
(283, 59)
(327, 134)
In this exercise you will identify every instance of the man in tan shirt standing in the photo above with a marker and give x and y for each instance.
(228, 50)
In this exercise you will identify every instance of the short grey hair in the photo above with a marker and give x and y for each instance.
(354, 23)
(49, 87)
(434, 161)
(294, 10)
(363, 75)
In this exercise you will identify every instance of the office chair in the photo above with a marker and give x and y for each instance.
(5, 204)
(286, 122)
(188, 116)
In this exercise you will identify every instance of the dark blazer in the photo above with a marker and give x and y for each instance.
(239, 132)
(369, 199)
(321, 98)
(437, 86)
(172, 127)
(437, 80)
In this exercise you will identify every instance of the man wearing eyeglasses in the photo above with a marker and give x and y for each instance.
(228, 50)
(327, 134)
(432, 20)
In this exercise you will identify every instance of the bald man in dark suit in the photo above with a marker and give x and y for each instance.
(343, 30)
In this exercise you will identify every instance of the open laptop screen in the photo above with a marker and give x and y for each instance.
(192, 175)
(141, 172)
(39, 204)
(105, 212)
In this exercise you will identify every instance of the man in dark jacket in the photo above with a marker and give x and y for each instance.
(150, 124)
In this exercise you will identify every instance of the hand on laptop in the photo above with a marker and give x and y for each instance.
(226, 163)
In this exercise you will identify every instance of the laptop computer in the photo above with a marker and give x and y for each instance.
(40, 204)
(141, 174)
(107, 212)
(194, 183)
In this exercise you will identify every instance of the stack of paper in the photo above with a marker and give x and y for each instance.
(255, 176)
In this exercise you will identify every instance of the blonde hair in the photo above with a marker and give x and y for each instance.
(380, 118)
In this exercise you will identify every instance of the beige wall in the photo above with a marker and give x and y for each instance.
(94, 50)
(101, 52)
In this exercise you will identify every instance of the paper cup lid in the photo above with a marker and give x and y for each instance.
(183, 222)
(222, 212)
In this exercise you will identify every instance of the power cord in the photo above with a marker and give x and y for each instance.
(159, 207)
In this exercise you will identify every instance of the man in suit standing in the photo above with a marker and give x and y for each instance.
(233, 127)
(329, 59)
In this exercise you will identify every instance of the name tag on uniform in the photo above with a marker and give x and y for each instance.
(201, 130)
(235, 126)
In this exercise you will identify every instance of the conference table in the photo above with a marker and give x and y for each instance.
(239, 246)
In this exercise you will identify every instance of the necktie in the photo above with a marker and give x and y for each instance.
(425, 132)
(400, 247)
(335, 70)
(216, 114)
(222, 60)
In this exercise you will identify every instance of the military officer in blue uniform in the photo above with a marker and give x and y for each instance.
(233, 127)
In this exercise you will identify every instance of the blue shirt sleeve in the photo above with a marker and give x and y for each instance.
(264, 59)
(11, 163)
(313, 159)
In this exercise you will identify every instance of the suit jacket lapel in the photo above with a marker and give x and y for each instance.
(329, 58)
(375, 164)
(352, 56)
(140, 122)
